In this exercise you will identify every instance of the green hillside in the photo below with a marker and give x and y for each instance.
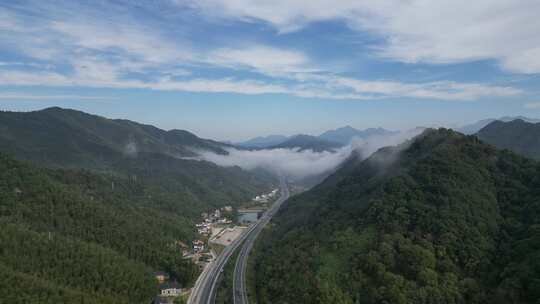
(157, 159)
(442, 219)
(518, 135)
(84, 237)
(63, 137)
(86, 215)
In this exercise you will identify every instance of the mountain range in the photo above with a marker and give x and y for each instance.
(262, 142)
(477, 126)
(326, 141)
(346, 134)
(307, 142)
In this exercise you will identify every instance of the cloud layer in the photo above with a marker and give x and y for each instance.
(532, 105)
(300, 164)
(414, 31)
(107, 45)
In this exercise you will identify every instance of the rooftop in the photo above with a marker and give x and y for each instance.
(169, 285)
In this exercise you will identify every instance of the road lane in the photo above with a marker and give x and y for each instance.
(239, 281)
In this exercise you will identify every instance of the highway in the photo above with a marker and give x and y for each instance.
(205, 288)
(239, 281)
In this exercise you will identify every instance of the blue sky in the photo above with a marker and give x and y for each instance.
(233, 69)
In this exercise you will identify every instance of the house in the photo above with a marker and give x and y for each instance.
(198, 246)
(224, 221)
(161, 276)
(170, 289)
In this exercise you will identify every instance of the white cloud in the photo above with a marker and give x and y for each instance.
(300, 164)
(147, 45)
(416, 30)
(444, 90)
(532, 105)
(285, 15)
(118, 51)
(70, 34)
(90, 74)
(8, 77)
(293, 163)
(26, 96)
(225, 85)
(266, 60)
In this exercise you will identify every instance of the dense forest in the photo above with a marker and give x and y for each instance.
(81, 226)
(518, 135)
(63, 138)
(443, 218)
(91, 236)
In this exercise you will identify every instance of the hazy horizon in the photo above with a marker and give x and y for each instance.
(286, 132)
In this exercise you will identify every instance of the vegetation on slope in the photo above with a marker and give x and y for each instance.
(101, 204)
(518, 135)
(442, 219)
(224, 293)
(61, 138)
(69, 138)
(87, 236)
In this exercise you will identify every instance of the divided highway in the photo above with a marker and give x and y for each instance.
(204, 291)
(239, 281)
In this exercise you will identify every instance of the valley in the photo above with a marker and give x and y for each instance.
(269, 152)
(139, 208)
(180, 229)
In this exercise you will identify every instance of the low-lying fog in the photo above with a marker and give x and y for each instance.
(298, 164)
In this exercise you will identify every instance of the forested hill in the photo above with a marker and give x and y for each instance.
(64, 137)
(444, 218)
(517, 135)
(70, 237)
(345, 135)
(89, 206)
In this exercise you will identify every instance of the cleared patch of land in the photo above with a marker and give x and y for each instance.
(228, 235)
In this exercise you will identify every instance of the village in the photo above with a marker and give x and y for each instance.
(216, 230)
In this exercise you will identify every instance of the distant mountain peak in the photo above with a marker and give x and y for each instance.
(262, 142)
(308, 142)
(477, 126)
(345, 134)
(346, 128)
(517, 135)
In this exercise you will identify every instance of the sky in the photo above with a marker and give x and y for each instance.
(234, 69)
